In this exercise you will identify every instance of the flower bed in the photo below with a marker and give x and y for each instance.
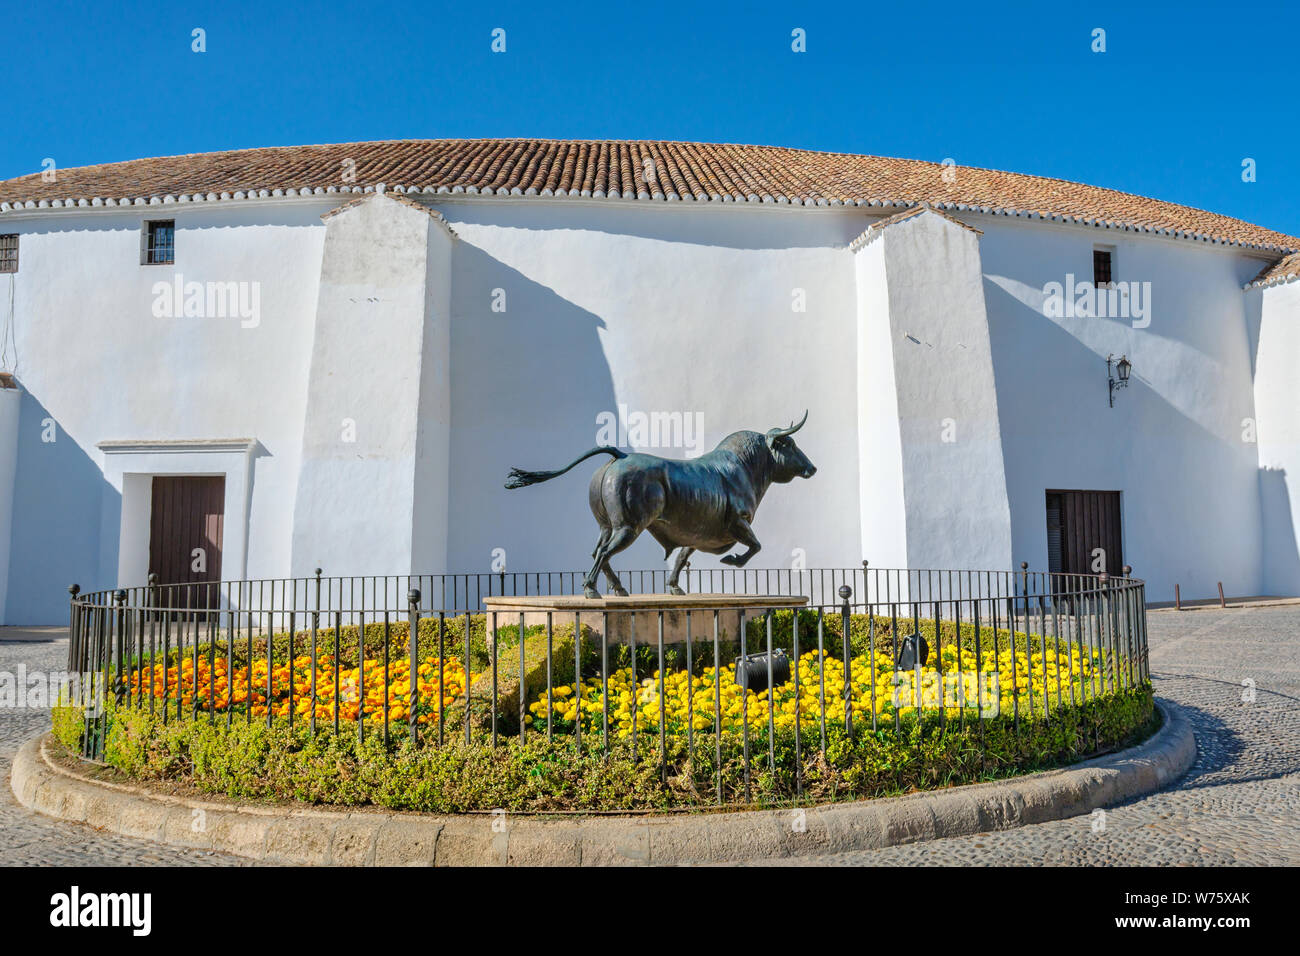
(1006, 682)
(1011, 673)
(217, 685)
(1005, 704)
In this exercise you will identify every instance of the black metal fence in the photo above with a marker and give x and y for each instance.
(392, 656)
(367, 593)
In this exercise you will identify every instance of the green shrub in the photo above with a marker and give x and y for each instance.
(68, 726)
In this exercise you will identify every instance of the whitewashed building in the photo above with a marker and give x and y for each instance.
(330, 356)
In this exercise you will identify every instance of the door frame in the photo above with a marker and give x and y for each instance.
(130, 467)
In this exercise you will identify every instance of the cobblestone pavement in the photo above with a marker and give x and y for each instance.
(28, 838)
(1239, 804)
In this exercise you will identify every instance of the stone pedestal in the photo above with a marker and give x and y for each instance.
(621, 615)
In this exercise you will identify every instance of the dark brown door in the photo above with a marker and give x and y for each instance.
(1084, 534)
(185, 538)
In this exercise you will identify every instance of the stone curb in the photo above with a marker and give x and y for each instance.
(314, 836)
(1213, 605)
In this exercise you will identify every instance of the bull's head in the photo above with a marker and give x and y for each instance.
(791, 463)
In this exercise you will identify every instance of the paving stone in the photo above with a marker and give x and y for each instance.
(27, 838)
(1238, 805)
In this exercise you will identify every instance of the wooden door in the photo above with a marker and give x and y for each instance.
(185, 537)
(1084, 532)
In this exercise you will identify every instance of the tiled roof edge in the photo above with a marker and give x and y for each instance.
(458, 192)
(1284, 270)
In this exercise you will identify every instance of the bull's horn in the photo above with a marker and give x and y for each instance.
(776, 433)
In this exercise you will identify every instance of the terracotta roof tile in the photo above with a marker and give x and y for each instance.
(1284, 270)
(692, 171)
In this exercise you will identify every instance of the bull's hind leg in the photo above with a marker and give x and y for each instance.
(589, 582)
(604, 540)
(627, 503)
(619, 539)
(683, 555)
(615, 584)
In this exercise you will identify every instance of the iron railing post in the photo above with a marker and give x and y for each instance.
(74, 644)
(151, 590)
(845, 593)
(76, 662)
(119, 599)
(1126, 595)
(1106, 635)
(413, 700)
(315, 633)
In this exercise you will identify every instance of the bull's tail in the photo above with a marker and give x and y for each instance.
(520, 478)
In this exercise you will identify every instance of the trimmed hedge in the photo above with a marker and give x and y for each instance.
(254, 761)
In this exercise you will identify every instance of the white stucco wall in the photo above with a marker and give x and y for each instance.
(742, 315)
(355, 505)
(93, 359)
(1173, 442)
(9, 409)
(130, 467)
(675, 309)
(954, 484)
(1276, 310)
(879, 439)
(433, 464)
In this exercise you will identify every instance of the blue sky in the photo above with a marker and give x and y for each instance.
(1183, 93)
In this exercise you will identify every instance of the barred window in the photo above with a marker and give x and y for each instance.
(159, 242)
(9, 253)
(1101, 277)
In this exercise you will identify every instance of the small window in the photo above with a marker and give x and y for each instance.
(159, 242)
(1101, 268)
(9, 253)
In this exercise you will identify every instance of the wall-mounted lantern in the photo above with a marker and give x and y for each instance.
(1120, 369)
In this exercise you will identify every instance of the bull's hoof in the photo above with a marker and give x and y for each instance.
(732, 559)
(620, 592)
(591, 594)
(674, 589)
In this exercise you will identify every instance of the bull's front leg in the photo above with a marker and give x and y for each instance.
(744, 534)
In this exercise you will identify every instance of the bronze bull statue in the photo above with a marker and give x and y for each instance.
(703, 504)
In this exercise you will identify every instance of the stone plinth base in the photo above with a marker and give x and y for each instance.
(641, 613)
